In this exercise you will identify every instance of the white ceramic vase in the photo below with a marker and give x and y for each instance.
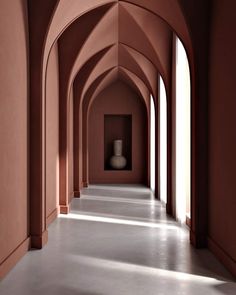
(118, 161)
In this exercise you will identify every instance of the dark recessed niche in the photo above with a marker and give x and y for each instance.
(117, 127)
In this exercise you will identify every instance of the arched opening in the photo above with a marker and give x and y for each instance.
(152, 145)
(163, 140)
(183, 134)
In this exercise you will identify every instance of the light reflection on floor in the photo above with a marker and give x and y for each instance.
(117, 221)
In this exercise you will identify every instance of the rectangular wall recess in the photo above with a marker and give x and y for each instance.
(117, 127)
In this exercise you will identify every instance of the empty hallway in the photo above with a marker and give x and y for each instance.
(117, 240)
(117, 92)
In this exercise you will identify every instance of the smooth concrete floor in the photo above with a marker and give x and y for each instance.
(117, 240)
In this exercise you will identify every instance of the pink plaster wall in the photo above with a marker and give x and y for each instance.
(52, 133)
(118, 98)
(70, 151)
(13, 126)
(222, 139)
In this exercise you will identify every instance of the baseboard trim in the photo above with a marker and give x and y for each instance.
(51, 217)
(224, 257)
(37, 242)
(198, 241)
(188, 221)
(14, 257)
(192, 238)
(169, 209)
(64, 209)
(76, 194)
(156, 195)
(84, 184)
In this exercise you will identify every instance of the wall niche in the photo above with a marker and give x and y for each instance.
(118, 112)
(117, 127)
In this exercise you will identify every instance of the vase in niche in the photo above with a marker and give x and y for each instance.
(118, 161)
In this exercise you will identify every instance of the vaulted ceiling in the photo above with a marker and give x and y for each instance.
(96, 37)
(117, 40)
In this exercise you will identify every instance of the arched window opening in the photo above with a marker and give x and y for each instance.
(152, 144)
(163, 141)
(183, 134)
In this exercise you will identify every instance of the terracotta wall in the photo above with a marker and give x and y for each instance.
(52, 136)
(119, 99)
(13, 132)
(70, 150)
(222, 139)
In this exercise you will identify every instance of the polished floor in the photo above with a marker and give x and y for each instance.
(117, 240)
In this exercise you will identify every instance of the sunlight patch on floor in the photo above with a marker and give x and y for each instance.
(117, 221)
(146, 270)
